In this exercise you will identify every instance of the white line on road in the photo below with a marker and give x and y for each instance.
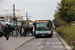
(39, 43)
(57, 46)
(56, 43)
(40, 47)
(47, 42)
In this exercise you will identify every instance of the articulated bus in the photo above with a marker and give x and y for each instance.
(43, 28)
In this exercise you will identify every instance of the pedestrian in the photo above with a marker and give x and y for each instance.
(21, 31)
(27, 30)
(31, 30)
(13, 28)
(1, 31)
(7, 31)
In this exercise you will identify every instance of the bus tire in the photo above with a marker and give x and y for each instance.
(51, 35)
(36, 36)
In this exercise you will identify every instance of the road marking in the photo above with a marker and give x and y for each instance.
(39, 43)
(57, 46)
(56, 43)
(47, 42)
(40, 47)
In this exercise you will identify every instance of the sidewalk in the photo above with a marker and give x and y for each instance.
(13, 42)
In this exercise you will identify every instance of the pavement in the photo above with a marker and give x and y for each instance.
(14, 42)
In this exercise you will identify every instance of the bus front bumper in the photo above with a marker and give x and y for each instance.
(43, 34)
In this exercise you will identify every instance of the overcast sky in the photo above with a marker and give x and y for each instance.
(37, 9)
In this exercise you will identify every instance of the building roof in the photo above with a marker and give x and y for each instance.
(1, 15)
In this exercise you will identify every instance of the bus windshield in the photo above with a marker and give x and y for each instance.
(42, 26)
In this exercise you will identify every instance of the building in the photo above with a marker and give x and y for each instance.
(25, 22)
(8, 18)
(1, 18)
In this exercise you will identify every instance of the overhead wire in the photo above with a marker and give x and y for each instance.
(9, 6)
(5, 3)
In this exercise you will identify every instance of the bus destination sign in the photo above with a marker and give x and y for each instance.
(42, 21)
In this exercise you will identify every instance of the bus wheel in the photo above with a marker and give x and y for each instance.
(51, 35)
(36, 36)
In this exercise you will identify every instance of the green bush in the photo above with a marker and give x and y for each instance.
(68, 34)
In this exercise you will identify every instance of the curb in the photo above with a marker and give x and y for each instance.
(64, 43)
(23, 43)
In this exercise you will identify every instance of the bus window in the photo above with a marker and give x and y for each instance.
(42, 26)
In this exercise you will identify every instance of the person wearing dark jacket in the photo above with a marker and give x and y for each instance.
(27, 30)
(12, 29)
(1, 31)
(31, 30)
(21, 31)
(7, 31)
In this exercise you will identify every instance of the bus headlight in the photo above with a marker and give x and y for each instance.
(37, 32)
(49, 32)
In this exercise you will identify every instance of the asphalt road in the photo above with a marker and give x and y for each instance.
(47, 43)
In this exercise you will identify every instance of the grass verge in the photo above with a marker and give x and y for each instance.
(68, 34)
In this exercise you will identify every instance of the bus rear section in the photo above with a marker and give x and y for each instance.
(43, 28)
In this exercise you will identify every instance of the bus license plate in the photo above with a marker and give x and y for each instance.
(42, 35)
(43, 32)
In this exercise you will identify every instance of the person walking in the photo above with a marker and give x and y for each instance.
(1, 31)
(7, 31)
(13, 28)
(31, 30)
(27, 30)
(21, 31)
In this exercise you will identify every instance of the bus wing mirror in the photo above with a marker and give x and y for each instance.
(33, 23)
(51, 23)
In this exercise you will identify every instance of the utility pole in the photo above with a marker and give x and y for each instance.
(26, 15)
(14, 18)
(13, 14)
(27, 18)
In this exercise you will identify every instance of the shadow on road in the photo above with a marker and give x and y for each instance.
(44, 37)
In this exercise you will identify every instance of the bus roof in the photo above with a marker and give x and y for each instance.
(42, 20)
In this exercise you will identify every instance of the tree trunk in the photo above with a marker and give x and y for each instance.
(66, 24)
(69, 25)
